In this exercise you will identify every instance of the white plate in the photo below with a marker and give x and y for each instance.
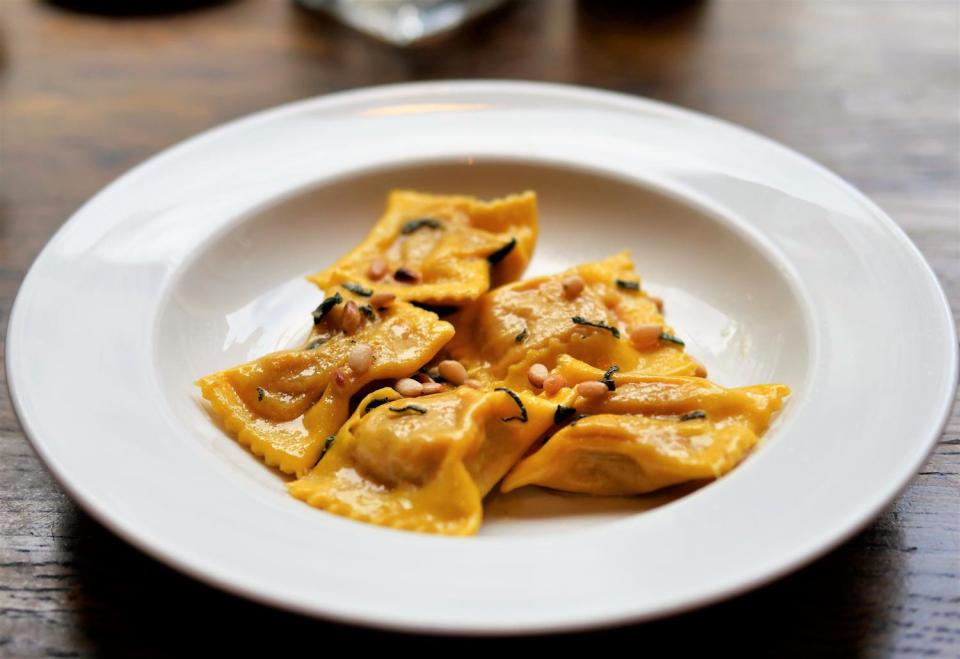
(773, 268)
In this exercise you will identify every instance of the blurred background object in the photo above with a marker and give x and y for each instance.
(403, 22)
(122, 8)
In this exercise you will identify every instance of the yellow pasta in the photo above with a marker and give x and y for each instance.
(649, 432)
(535, 321)
(573, 381)
(424, 464)
(284, 405)
(441, 250)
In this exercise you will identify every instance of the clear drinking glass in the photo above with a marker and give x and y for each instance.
(403, 22)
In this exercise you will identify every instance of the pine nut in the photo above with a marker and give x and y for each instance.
(701, 370)
(537, 373)
(644, 337)
(473, 383)
(350, 319)
(360, 358)
(592, 389)
(422, 378)
(452, 371)
(378, 268)
(408, 388)
(382, 300)
(573, 286)
(553, 384)
(432, 388)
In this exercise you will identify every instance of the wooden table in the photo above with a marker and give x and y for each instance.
(870, 88)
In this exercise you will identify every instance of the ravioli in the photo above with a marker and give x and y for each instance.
(284, 405)
(571, 381)
(648, 433)
(424, 464)
(536, 321)
(441, 250)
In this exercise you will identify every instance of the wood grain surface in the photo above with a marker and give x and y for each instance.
(870, 88)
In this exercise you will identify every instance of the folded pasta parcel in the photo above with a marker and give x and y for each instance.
(441, 250)
(648, 432)
(424, 464)
(591, 312)
(571, 381)
(284, 405)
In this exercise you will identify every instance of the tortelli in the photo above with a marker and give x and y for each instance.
(392, 415)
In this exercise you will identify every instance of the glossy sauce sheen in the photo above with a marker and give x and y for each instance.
(448, 251)
(423, 472)
(284, 405)
(425, 462)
